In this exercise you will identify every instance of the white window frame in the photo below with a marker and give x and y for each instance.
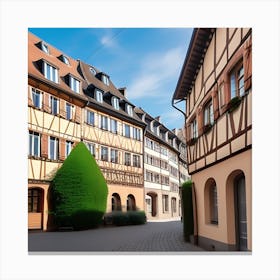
(194, 132)
(55, 155)
(74, 84)
(208, 113)
(114, 156)
(125, 130)
(88, 117)
(36, 91)
(44, 47)
(32, 136)
(104, 156)
(68, 147)
(127, 159)
(104, 122)
(115, 103)
(69, 109)
(53, 72)
(52, 100)
(105, 79)
(65, 59)
(91, 148)
(129, 110)
(114, 128)
(99, 96)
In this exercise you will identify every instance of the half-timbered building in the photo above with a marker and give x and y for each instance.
(161, 169)
(68, 102)
(216, 85)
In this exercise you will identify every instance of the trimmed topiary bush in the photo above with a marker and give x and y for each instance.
(78, 192)
(119, 218)
(137, 217)
(188, 222)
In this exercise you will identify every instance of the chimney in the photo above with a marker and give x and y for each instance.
(157, 118)
(123, 91)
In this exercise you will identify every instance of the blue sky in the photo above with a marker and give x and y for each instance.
(147, 61)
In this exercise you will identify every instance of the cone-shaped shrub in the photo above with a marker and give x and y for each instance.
(78, 193)
(187, 209)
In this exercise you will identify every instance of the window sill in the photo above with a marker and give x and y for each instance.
(234, 104)
(192, 141)
(207, 127)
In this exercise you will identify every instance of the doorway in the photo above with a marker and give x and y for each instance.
(240, 213)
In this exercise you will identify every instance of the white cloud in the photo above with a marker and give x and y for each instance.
(173, 119)
(108, 41)
(156, 71)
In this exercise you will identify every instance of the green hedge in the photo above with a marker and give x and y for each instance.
(188, 222)
(78, 192)
(119, 218)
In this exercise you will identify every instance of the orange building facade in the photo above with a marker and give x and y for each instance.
(216, 85)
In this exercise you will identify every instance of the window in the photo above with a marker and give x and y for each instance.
(50, 72)
(214, 204)
(115, 103)
(68, 147)
(35, 200)
(127, 159)
(37, 98)
(194, 133)
(44, 47)
(99, 96)
(114, 156)
(114, 126)
(104, 153)
(91, 148)
(136, 133)
(53, 148)
(54, 105)
(127, 130)
(64, 59)
(136, 161)
(104, 123)
(69, 111)
(34, 144)
(165, 203)
(105, 80)
(74, 84)
(92, 71)
(237, 81)
(208, 114)
(129, 109)
(90, 118)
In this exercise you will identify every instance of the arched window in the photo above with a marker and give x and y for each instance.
(116, 202)
(130, 203)
(211, 202)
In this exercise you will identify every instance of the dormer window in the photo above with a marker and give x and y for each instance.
(44, 47)
(129, 109)
(64, 59)
(74, 84)
(99, 95)
(115, 103)
(50, 72)
(92, 71)
(105, 79)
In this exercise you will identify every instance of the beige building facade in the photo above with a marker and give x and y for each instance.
(216, 85)
(68, 102)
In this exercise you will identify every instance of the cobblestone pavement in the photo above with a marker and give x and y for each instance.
(151, 237)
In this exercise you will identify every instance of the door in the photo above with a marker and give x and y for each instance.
(241, 217)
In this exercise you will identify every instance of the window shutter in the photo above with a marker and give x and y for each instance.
(188, 132)
(247, 63)
(78, 114)
(62, 149)
(30, 102)
(215, 100)
(46, 104)
(44, 144)
(62, 108)
(200, 121)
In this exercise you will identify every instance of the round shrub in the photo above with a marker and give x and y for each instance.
(137, 217)
(78, 192)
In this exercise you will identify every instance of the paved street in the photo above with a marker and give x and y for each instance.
(151, 237)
